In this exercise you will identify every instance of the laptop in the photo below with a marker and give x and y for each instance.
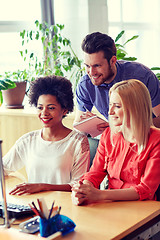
(11, 210)
(4, 201)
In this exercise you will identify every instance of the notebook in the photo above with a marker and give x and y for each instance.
(89, 125)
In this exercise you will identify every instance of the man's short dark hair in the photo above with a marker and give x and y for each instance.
(96, 42)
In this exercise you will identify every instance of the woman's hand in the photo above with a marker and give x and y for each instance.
(102, 126)
(29, 188)
(82, 193)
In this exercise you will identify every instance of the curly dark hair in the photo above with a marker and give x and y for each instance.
(96, 42)
(57, 86)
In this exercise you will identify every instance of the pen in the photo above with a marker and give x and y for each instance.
(40, 205)
(44, 207)
(54, 211)
(35, 210)
(41, 209)
(51, 210)
(59, 210)
(86, 109)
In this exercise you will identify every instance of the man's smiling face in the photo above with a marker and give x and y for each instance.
(98, 68)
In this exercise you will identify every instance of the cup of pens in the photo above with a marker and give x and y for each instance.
(51, 221)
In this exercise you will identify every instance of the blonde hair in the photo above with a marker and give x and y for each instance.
(137, 107)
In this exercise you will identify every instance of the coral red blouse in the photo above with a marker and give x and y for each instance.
(125, 167)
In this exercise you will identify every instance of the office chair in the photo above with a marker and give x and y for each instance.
(158, 193)
(93, 144)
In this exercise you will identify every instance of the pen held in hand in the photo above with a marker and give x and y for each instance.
(86, 109)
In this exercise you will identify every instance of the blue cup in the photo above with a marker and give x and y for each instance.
(58, 223)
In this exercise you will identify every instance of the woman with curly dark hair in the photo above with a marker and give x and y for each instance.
(55, 156)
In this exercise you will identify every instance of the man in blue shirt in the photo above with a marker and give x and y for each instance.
(103, 70)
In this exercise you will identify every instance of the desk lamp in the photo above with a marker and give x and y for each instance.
(4, 201)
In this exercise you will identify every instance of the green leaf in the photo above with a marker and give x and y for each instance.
(31, 55)
(30, 35)
(7, 84)
(120, 56)
(21, 52)
(1, 97)
(61, 27)
(120, 50)
(43, 39)
(132, 38)
(22, 34)
(37, 23)
(119, 46)
(60, 39)
(130, 58)
(119, 35)
(37, 35)
(155, 68)
(158, 76)
(55, 29)
(40, 26)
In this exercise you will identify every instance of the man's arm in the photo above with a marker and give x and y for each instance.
(156, 120)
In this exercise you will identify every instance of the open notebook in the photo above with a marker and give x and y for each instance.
(89, 125)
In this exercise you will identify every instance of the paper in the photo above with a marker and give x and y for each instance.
(89, 125)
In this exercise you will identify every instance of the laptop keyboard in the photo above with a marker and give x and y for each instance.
(17, 211)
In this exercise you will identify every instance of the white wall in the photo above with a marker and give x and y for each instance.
(81, 17)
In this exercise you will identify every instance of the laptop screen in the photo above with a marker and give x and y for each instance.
(2, 179)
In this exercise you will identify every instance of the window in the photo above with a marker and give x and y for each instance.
(14, 17)
(137, 17)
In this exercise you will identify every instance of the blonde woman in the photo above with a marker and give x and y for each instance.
(128, 152)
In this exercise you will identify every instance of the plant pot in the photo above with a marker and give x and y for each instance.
(13, 98)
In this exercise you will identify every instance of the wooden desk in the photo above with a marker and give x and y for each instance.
(99, 221)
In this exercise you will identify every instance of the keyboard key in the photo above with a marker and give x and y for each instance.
(17, 211)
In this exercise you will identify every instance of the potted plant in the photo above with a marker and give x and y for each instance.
(13, 88)
(58, 58)
(121, 53)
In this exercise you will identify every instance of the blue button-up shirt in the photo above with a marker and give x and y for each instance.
(89, 95)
